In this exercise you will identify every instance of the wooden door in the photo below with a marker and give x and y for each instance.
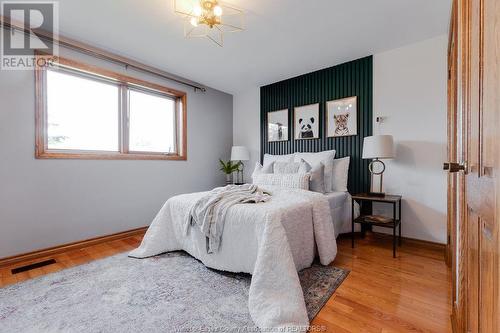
(487, 179)
(452, 136)
(474, 190)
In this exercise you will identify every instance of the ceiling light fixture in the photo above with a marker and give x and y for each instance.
(209, 18)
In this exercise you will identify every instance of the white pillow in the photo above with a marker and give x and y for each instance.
(268, 158)
(289, 180)
(326, 157)
(317, 181)
(259, 169)
(263, 169)
(285, 167)
(340, 174)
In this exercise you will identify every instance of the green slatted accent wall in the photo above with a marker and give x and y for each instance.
(354, 78)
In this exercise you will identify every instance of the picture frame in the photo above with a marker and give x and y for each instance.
(277, 126)
(306, 122)
(342, 117)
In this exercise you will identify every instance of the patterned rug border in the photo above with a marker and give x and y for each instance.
(331, 291)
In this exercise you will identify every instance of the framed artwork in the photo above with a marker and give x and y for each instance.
(306, 122)
(342, 117)
(277, 125)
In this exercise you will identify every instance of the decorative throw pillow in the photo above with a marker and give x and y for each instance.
(325, 157)
(285, 167)
(340, 174)
(268, 158)
(317, 181)
(289, 180)
(259, 169)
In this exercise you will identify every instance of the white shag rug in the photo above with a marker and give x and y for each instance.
(122, 294)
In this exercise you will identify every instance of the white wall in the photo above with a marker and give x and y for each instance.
(410, 90)
(246, 125)
(49, 202)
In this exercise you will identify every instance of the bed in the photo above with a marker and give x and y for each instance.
(340, 208)
(270, 240)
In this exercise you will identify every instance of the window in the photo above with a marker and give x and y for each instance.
(152, 122)
(88, 113)
(78, 123)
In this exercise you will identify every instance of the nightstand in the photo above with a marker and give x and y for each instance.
(377, 220)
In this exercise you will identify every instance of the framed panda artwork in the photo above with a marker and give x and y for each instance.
(342, 117)
(277, 125)
(306, 122)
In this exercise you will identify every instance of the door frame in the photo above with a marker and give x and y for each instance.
(456, 254)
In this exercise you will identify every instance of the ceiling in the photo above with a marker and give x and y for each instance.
(283, 38)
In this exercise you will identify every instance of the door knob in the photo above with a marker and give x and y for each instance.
(454, 167)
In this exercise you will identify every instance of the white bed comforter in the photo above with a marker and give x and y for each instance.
(271, 241)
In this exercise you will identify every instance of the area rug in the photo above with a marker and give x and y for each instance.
(168, 293)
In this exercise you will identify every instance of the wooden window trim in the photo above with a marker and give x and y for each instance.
(41, 148)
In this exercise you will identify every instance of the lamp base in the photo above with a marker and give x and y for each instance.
(376, 194)
(380, 173)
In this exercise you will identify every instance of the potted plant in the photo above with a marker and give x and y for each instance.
(228, 168)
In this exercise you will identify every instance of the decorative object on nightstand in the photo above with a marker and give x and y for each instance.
(377, 147)
(229, 168)
(377, 220)
(240, 154)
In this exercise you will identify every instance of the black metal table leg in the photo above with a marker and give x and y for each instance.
(352, 222)
(394, 231)
(400, 223)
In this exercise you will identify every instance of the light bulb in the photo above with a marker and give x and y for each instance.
(194, 22)
(217, 10)
(197, 10)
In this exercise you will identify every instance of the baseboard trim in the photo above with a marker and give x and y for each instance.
(439, 246)
(70, 246)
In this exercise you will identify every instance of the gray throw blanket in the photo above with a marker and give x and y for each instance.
(210, 211)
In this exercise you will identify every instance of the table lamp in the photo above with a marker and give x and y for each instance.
(240, 154)
(376, 148)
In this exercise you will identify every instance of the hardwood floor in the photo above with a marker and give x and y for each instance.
(69, 259)
(411, 293)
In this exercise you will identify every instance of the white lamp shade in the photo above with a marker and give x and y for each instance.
(240, 153)
(378, 146)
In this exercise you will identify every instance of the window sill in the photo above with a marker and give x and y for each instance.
(108, 156)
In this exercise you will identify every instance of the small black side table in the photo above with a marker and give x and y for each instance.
(377, 220)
